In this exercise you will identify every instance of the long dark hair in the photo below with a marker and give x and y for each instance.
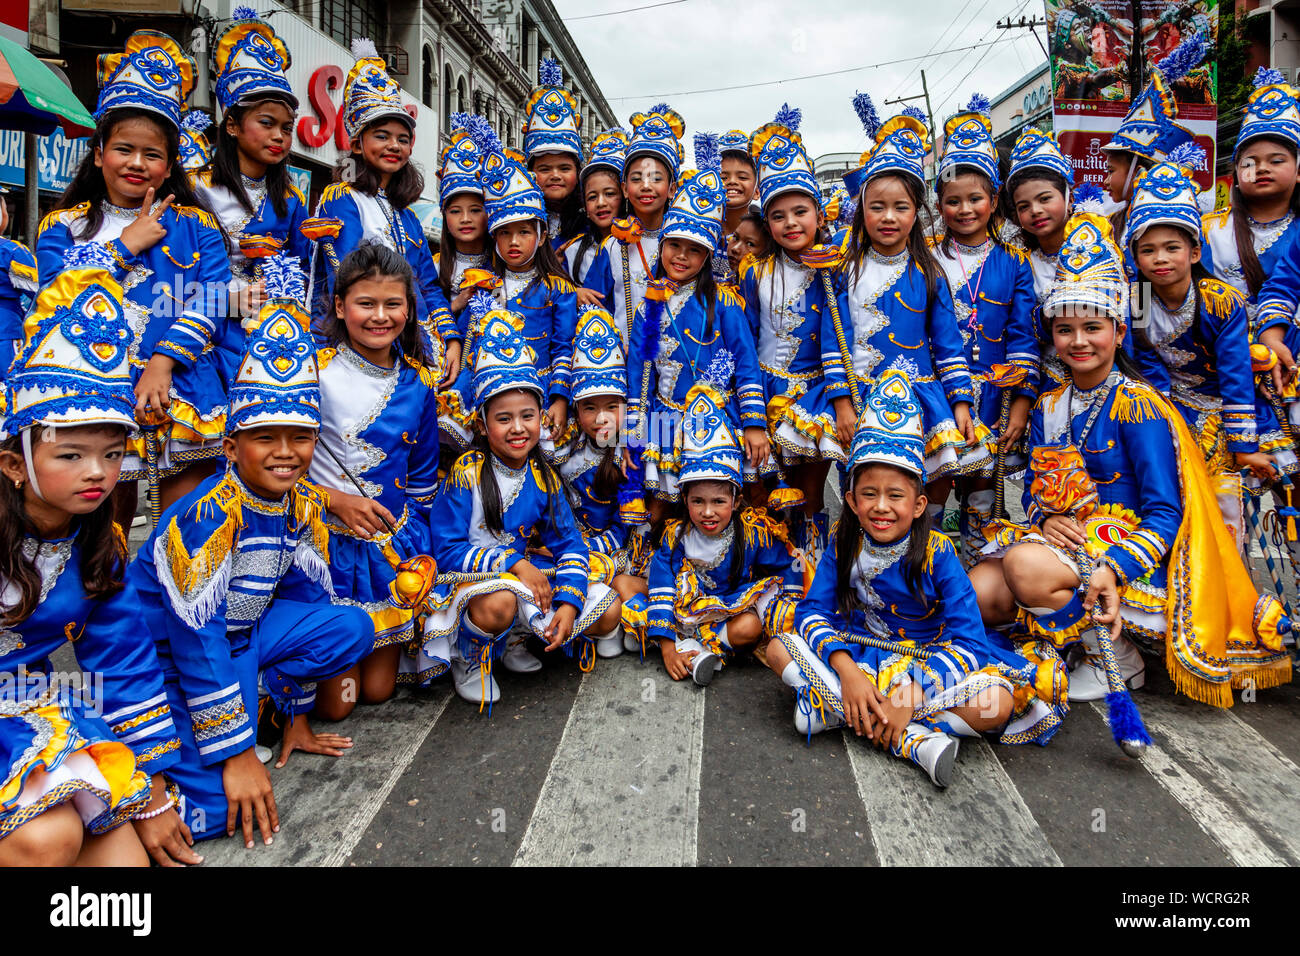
(735, 563)
(404, 187)
(994, 210)
(1251, 270)
(922, 257)
(225, 162)
(545, 260)
(850, 536)
(1007, 201)
(491, 491)
(447, 254)
(373, 260)
(588, 237)
(102, 547)
(87, 183)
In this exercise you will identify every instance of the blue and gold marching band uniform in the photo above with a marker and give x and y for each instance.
(17, 288)
(94, 745)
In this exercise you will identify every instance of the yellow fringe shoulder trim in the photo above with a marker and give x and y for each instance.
(335, 191)
(310, 502)
(1017, 251)
(938, 542)
(201, 177)
(427, 378)
(1136, 403)
(293, 192)
(191, 570)
(194, 212)
(1220, 298)
(1217, 219)
(672, 532)
(466, 470)
(727, 297)
(756, 527)
(558, 284)
(119, 542)
(324, 357)
(752, 263)
(64, 217)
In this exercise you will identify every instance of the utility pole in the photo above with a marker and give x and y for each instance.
(923, 95)
(1026, 23)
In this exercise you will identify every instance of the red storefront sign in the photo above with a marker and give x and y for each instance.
(315, 130)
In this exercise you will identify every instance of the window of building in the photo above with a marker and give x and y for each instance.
(462, 101)
(429, 79)
(346, 19)
(448, 88)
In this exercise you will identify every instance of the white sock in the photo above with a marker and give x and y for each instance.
(956, 724)
(793, 676)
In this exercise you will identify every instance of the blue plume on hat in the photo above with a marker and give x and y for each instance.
(460, 120)
(867, 114)
(284, 278)
(1267, 76)
(916, 113)
(549, 72)
(196, 121)
(1188, 155)
(483, 135)
(789, 117)
(1088, 198)
(243, 13)
(660, 108)
(707, 156)
(979, 103)
(1183, 58)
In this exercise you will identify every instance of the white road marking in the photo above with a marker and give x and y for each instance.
(1236, 785)
(328, 809)
(623, 786)
(979, 820)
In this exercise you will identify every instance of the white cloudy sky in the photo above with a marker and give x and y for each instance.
(644, 56)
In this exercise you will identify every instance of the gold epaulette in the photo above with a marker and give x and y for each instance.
(310, 502)
(1220, 298)
(727, 297)
(756, 527)
(427, 378)
(295, 193)
(324, 357)
(938, 542)
(64, 217)
(558, 284)
(672, 532)
(1018, 252)
(466, 470)
(194, 212)
(1136, 403)
(335, 190)
(1216, 219)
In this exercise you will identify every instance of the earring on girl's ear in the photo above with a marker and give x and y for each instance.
(18, 484)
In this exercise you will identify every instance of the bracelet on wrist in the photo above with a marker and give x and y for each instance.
(150, 814)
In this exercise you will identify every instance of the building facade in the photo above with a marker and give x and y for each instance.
(1026, 102)
(447, 55)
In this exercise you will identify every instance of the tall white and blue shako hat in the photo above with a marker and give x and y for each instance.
(1089, 270)
(899, 146)
(510, 193)
(1035, 149)
(369, 93)
(552, 120)
(735, 142)
(608, 152)
(782, 162)
(1165, 195)
(504, 361)
(277, 382)
(195, 149)
(711, 448)
(599, 365)
(657, 133)
(699, 204)
(1272, 110)
(462, 161)
(1150, 130)
(968, 142)
(152, 73)
(890, 429)
(251, 62)
(74, 368)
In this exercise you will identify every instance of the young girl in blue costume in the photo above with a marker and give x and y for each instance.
(723, 577)
(235, 583)
(786, 294)
(17, 286)
(246, 184)
(527, 278)
(495, 499)
(379, 429)
(1037, 199)
(1251, 244)
(895, 308)
(992, 289)
(372, 202)
(130, 194)
(609, 509)
(1123, 525)
(892, 579)
(1195, 341)
(77, 764)
(623, 267)
(464, 244)
(553, 149)
(601, 188)
(688, 327)
(740, 180)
